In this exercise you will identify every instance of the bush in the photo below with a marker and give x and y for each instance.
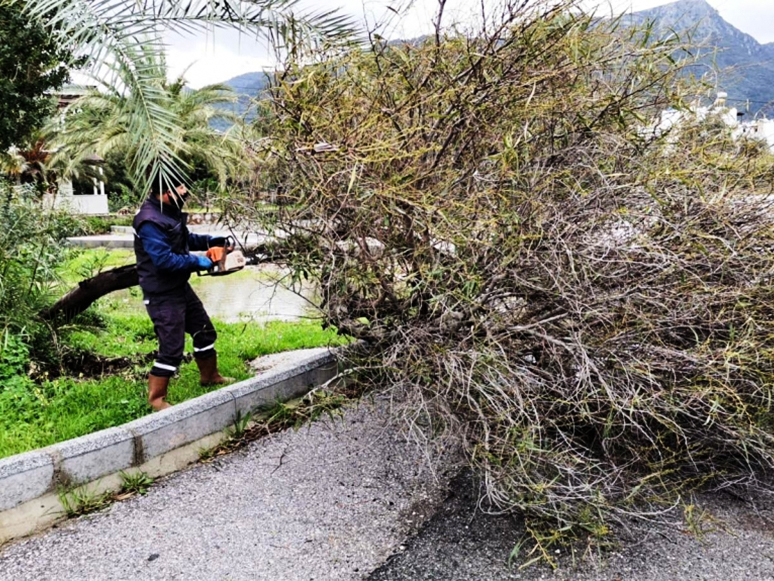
(584, 310)
(102, 224)
(32, 244)
(14, 357)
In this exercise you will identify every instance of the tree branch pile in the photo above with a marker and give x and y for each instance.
(586, 309)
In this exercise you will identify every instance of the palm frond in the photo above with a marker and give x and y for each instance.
(108, 123)
(123, 43)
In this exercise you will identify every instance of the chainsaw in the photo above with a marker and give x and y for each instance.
(225, 260)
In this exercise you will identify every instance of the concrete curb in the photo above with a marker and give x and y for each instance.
(102, 241)
(159, 443)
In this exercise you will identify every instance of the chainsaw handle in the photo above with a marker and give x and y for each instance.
(218, 241)
(230, 242)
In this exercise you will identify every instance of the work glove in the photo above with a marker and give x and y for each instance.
(204, 263)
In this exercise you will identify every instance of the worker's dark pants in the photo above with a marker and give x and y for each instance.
(174, 315)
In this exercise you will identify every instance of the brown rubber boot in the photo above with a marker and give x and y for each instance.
(208, 371)
(157, 392)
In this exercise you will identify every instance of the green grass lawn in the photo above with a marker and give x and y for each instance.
(37, 414)
(85, 263)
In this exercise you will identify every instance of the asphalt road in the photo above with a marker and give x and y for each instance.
(462, 543)
(351, 499)
(329, 501)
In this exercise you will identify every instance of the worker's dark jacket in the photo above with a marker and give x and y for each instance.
(172, 223)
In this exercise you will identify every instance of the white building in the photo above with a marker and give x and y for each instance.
(92, 203)
(762, 129)
(65, 198)
(671, 117)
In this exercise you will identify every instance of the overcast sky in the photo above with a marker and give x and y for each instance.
(221, 55)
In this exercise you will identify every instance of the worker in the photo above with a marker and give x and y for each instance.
(162, 244)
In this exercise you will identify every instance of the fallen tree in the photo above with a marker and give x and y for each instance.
(91, 289)
(88, 291)
(583, 306)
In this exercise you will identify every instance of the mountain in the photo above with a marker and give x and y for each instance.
(247, 87)
(746, 66)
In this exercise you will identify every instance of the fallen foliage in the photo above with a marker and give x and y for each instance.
(583, 305)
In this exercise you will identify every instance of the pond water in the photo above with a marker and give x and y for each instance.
(257, 293)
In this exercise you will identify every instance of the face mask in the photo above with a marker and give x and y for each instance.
(176, 200)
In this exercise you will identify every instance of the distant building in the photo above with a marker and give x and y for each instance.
(95, 202)
(68, 94)
(762, 129)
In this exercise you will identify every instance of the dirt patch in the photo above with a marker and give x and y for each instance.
(86, 365)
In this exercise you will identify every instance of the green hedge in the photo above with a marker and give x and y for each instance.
(102, 224)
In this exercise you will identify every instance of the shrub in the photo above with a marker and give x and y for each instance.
(585, 310)
(32, 244)
(102, 224)
(14, 356)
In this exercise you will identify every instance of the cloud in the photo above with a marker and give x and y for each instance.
(222, 54)
(216, 56)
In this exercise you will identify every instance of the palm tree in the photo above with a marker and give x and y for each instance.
(115, 37)
(26, 165)
(101, 123)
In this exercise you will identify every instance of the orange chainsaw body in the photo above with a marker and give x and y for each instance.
(224, 261)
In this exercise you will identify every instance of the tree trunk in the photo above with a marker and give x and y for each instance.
(81, 297)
